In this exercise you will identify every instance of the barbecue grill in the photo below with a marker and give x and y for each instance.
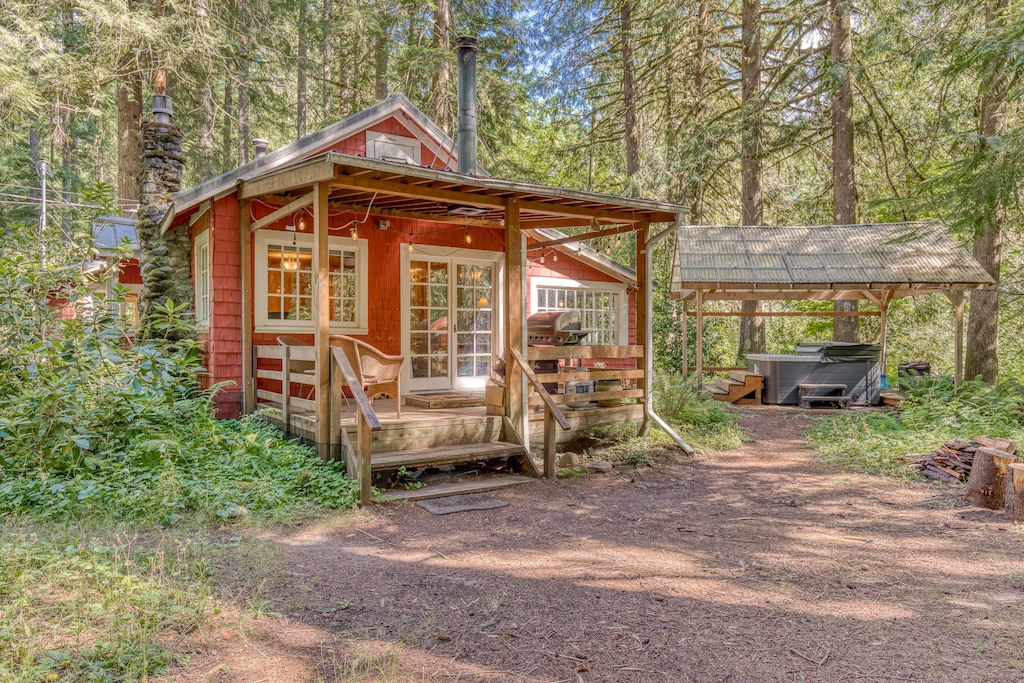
(555, 328)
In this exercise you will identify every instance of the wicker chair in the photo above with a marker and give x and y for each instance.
(376, 371)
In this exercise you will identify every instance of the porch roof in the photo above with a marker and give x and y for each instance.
(385, 188)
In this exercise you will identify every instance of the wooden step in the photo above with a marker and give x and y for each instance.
(442, 490)
(742, 375)
(717, 390)
(727, 384)
(443, 455)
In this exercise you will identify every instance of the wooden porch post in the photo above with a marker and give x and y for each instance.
(699, 360)
(323, 321)
(643, 319)
(248, 384)
(515, 320)
(883, 324)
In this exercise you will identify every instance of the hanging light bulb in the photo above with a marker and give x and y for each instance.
(618, 240)
(542, 257)
(354, 232)
(469, 238)
(410, 247)
(302, 223)
(554, 256)
(608, 250)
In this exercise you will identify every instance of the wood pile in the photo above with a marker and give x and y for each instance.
(991, 467)
(952, 461)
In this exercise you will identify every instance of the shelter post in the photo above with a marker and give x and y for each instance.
(323, 321)
(515, 319)
(248, 382)
(686, 339)
(699, 360)
(883, 323)
(956, 298)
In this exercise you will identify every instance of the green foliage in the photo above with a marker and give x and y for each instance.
(705, 421)
(933, 412)
(77, 609)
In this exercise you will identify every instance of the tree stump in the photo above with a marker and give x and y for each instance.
(987, 484)
(1014, 496)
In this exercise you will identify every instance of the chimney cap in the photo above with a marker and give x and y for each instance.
(467, 43)
(260, 145)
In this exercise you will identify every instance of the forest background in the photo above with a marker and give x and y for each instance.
(748, 112)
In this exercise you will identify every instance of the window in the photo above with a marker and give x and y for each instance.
(285, 283)
(201, 274)
(601, 309)
(395, 148)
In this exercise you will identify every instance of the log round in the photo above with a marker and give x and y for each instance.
(1014, 494)
(987, 484)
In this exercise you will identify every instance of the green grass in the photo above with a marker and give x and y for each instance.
(699, 419)
(75, 608)
(932, 413)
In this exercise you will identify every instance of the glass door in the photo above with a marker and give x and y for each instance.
(451, 323)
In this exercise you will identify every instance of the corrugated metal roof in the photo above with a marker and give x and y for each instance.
(829, 256)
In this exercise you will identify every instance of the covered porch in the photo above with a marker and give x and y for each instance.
(475, 228)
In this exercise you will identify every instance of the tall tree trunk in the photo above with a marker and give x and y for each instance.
(629, 95)
(229, 117)
(129, 122)
(34, 155)
(205, 165)
(751, 327)
(440, 111)
(699, 93)
(302, 68)
(982, 357)
(844, 187)
(380, 64)
(243, 114)
(328, 56)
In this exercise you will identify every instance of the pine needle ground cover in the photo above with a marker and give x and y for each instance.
(933, 412)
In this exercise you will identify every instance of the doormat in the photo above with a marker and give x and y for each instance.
(470, 501)
(449, 400)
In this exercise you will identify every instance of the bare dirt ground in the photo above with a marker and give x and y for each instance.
(756, 564)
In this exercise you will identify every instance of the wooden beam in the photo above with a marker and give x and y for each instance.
(686, 340)
(544, 244)
(791, 314)
(392, 188)
(515, 319)
(322, 307)
(248, 382)
(883, 324)
(415, 215)
(203, 208)
(291, 179)
(300, 203)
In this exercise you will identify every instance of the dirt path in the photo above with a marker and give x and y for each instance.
(756, 564)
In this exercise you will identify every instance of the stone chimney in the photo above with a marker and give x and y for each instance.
(466, 47)
(164, 259)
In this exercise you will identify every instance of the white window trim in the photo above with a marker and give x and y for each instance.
(621, 315)
(373, 136)
(265, 324)
(202, 240)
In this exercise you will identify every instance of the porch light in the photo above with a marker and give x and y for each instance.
(542, 258)
(469, 238)
(302, 223)
(354, 232)
(554, 256)
(410, 247)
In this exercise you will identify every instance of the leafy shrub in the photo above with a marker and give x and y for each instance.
(933, 412)
(710, 422)
(92, 422)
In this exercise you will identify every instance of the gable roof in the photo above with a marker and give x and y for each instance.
(434, 138)
(896, 256)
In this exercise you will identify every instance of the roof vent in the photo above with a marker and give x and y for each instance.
(260, 145)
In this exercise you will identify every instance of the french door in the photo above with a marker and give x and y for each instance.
(451, 319)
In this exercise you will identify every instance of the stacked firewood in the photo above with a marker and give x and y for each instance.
(952, 461)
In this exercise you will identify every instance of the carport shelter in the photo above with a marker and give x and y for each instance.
(876, 262)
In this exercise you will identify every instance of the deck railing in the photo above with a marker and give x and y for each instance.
(552, 416)
(297, 368)
(592, 363)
